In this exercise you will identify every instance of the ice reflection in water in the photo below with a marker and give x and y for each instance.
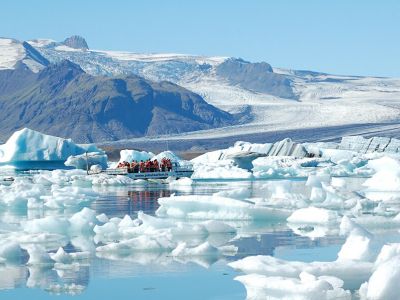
(253, 238)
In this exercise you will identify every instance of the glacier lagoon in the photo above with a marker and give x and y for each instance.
(256, 221)
(152, 272)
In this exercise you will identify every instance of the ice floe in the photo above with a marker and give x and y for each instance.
(313, 215)
(217, 208)
(87, 161)
(306, 287)
(27, 145)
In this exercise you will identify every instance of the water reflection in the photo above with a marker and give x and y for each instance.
(251, 238)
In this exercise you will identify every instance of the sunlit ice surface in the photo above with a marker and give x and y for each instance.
(65, 233)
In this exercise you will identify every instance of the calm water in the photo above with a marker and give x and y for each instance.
(159, 276)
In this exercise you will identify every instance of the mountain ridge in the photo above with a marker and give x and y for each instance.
(269, 99)
(100, 108)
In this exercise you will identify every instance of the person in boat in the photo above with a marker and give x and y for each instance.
(169, 165)
(164, 164)
(156, 166)
(133, 166)
(136, 168)
(142, 166)
(147, 165)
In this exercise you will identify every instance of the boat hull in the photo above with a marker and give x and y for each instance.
(150, 175)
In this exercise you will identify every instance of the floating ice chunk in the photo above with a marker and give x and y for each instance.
(356, 247)
(387, 176)
(239, 193)
(182, 183)
(102, 218)
(384, 282)
(167, 154)
(38, 255)
(218, 208)
(313, 181)
(110, 180)
(338, 182)
(388, 252)
(61, 256)
(106, 232)
(10, 250)
(317, 194)
(131, 155)
(338, 155)
(348, 226)
(127, 222)
(280, 167)
(68, 196)
(50, 224)
(224, 169)
(82, 222)
(307, 287)
(213, 226)
(204, 249)
(47, 240)
(21, 193)
(141, 243)
(88, 160)
(353, 273)
(30, 145)
(313, 215)
(359, 245)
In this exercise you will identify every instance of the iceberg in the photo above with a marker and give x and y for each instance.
(353, 273)
(367, 145)
(131, 155)
(386, 177)
(313, 215)
(306, 287)
(88, 160)
(217, 208)
(167, 154)
(383, 283)
(27, 145)
(239, 160)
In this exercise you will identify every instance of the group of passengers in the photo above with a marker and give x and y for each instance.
(147, 166)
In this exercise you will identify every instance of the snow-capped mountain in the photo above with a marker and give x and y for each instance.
(13, 52)
(276, 99)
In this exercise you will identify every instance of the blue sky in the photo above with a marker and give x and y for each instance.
(344, 37)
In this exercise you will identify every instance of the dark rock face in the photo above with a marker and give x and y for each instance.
(76, 42)
(34, 54)
(257, 77)
(65, 101)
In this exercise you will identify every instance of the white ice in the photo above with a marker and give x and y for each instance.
(30, 145)
(217, 208)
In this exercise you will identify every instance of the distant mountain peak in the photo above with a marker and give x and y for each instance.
(76, 42)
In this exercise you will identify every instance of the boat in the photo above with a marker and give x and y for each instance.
(176, 171)
(7, 180)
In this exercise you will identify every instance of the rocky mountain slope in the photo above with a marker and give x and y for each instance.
(63, 100)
